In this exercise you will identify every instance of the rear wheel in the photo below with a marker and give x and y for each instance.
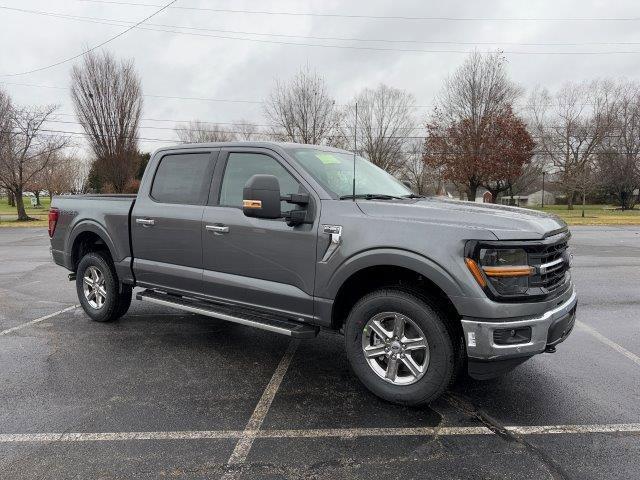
(99, 290)
(399, 346)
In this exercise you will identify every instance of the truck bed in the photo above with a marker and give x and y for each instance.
(108, 215)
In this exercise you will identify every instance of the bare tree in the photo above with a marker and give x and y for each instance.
(570, 126)
(462, 138)
(107, 97)
(423, 178)
(245, 130)
(6, 111)
(197, 131)
(301, 110)
(384, 122)
(65, 173)
(618, 161)
(26, 151)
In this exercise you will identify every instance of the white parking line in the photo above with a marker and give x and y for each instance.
(118, 436)
(619, 348)
(37, 320)
(240, 452)
(26, 284)
(561, 429)
(632, 428)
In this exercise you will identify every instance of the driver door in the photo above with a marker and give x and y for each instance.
(260, 263)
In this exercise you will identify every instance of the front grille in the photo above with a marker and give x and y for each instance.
(554, 260)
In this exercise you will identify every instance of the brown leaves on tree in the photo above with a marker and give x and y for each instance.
(491, 154)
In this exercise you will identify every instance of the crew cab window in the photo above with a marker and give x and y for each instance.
(242, 166)
(183, 179)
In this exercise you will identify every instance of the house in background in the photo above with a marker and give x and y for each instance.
(482, 195)
(531, 199)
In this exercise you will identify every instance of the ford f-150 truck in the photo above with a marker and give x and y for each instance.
(280, 237)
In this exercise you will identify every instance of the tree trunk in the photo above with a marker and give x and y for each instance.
(22, 213)
(570, 200)
(11, 199)
(472, 190)
(37, 195)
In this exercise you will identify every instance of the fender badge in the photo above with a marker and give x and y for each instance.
(332, 229)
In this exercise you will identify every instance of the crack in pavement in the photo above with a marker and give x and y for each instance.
(465, 406)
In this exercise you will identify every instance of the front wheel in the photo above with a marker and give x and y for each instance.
(99, 291)
(399, 346)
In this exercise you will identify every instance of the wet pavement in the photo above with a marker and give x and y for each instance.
(169, 395)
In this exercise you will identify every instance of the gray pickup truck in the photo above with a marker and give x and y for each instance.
(271, 235)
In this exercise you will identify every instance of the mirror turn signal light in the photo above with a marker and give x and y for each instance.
(251, 204)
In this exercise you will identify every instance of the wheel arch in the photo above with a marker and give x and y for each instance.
(390, 267)
(87, 237)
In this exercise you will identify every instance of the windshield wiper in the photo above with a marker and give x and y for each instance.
(370, 196)
(413, 195)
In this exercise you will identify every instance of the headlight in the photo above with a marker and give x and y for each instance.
(507, 270)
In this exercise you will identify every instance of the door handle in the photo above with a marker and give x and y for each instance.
(146, 222)
(217, 229)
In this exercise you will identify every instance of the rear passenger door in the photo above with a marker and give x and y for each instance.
(166, 221)
(258, 262)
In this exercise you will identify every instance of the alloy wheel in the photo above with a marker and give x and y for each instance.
(93, 287)
(395, 348)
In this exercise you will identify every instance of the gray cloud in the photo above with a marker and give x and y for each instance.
(204, 66)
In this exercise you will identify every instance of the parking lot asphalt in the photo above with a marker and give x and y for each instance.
(161, 394)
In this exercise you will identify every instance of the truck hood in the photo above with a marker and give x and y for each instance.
(506, 223)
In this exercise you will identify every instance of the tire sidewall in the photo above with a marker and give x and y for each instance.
(441, 353)
(106, 313)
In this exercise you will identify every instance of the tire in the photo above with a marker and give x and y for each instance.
(438, 357)
(103, 298)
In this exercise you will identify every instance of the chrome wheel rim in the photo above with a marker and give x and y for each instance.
(93, 287)
(395, 348)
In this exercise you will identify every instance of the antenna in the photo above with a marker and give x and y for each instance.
(355, 149)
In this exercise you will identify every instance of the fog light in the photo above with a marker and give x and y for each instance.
(512, 336)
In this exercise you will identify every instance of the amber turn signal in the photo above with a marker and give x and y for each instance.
(475, 271)
(513, 271)
(251, 204)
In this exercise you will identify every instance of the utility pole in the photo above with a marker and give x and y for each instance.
(543, 174)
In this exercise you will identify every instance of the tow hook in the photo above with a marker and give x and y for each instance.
(72, 276)
(550, 349)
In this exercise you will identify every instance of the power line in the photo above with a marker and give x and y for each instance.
(316, 45)
(235, 100)
(174, 141)
(383, 17)
(345, 39)
(92, 48)
(171, 97)
(238, 132)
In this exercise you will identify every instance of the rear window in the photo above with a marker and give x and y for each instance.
(182, 179)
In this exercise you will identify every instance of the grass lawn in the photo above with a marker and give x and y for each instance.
(594, 215)
(8, 214)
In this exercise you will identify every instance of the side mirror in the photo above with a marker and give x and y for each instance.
(261, 197)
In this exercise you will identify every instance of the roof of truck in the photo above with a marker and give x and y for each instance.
(283, 145)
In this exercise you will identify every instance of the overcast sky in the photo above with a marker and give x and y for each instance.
(198, 63)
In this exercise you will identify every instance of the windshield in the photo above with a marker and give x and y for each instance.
(334, 171)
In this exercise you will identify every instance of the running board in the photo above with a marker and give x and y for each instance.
(239, 315)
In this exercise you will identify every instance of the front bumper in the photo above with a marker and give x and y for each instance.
(547, 329)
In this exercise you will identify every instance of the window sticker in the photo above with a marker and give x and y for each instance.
(327, 158)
